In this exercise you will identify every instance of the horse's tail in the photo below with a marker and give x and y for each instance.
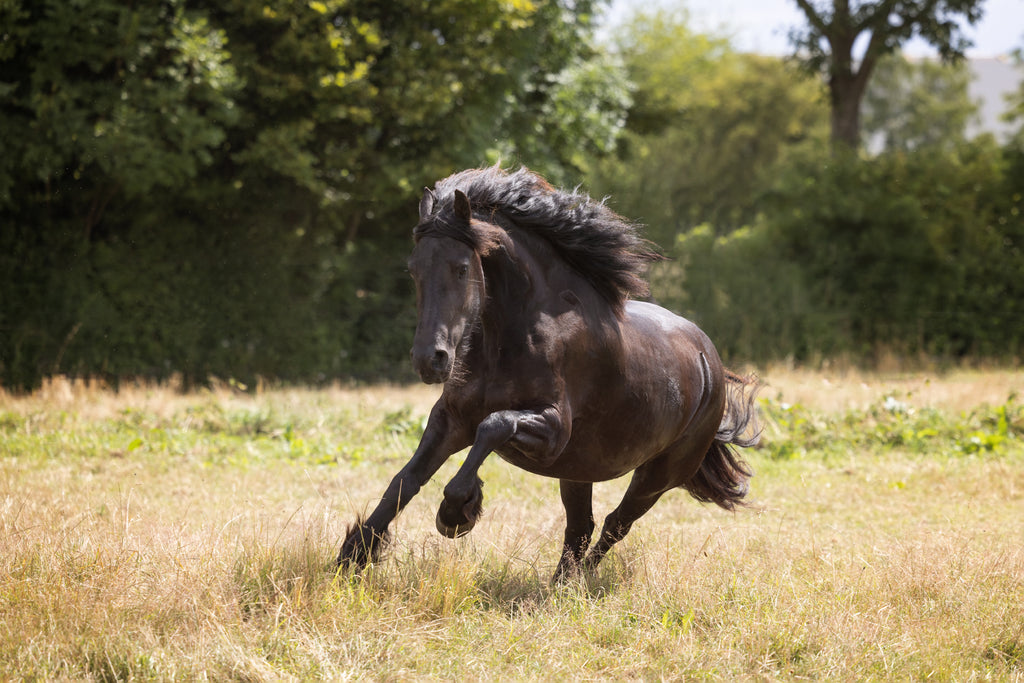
(723, 477)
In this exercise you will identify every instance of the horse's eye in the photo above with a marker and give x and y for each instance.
(463, 271)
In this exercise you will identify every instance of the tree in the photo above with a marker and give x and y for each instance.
(204, 187)
(363, 102)
(101, 100)
(836, 28)
(707, 127)
(104, 107)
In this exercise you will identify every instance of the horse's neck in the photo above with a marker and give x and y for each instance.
(509, 295)
(517, 289)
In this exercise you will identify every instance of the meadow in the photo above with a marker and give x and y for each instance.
(148, 534)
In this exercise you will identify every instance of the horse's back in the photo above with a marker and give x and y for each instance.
(653, 324)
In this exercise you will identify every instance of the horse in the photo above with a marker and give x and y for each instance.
(527, 314)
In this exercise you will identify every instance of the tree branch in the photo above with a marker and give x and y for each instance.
(882, 10)
(813, 17)
(926, 10)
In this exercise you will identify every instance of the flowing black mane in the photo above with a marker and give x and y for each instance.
(598, 243)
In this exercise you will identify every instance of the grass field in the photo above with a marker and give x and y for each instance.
(152, 535)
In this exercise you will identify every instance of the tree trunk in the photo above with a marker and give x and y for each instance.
(846, 94)
(847, 84)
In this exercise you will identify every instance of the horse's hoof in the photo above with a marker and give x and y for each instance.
(351, 557)
(458, 519)
(567, 570)
(452, 530)
(362, 546)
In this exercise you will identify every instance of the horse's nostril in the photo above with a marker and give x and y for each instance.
(440, 361)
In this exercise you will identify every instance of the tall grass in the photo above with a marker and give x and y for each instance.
(152, 535)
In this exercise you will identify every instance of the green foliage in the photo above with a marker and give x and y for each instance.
(798, 431)
(907, 251)
(912, 253)
(226, 188)
(784, 248)
(752, 302)
(102, 98)
(1015, 112)
(708, 128)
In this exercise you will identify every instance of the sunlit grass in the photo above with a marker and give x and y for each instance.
(153, 535)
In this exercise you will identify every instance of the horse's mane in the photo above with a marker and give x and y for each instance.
(602, 246)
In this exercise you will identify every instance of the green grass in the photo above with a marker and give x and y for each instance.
(149, 535)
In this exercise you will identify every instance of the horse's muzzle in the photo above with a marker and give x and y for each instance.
(433, 366)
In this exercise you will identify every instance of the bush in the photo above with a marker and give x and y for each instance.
(910, 252)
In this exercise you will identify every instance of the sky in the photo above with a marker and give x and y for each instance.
(762, 25)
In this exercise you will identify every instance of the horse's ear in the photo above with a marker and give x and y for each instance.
(462, 208)
(427, 203)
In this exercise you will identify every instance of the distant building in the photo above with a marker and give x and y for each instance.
(992, 80)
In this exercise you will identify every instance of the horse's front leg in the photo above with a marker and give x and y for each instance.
(365, 539)
(541, 435)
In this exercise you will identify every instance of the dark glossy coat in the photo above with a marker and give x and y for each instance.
(524, 315)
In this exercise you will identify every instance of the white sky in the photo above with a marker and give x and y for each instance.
(761, 25)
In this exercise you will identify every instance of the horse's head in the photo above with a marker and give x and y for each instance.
(449, 288)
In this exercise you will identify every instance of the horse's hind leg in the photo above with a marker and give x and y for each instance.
(577, 499)
(649, 482)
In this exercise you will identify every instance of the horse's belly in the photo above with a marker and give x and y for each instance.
(600, 451)
(572, 465)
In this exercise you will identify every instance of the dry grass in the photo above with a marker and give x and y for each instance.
(847, 388)
(149, 535)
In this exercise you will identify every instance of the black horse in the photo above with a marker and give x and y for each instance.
(524, 313)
